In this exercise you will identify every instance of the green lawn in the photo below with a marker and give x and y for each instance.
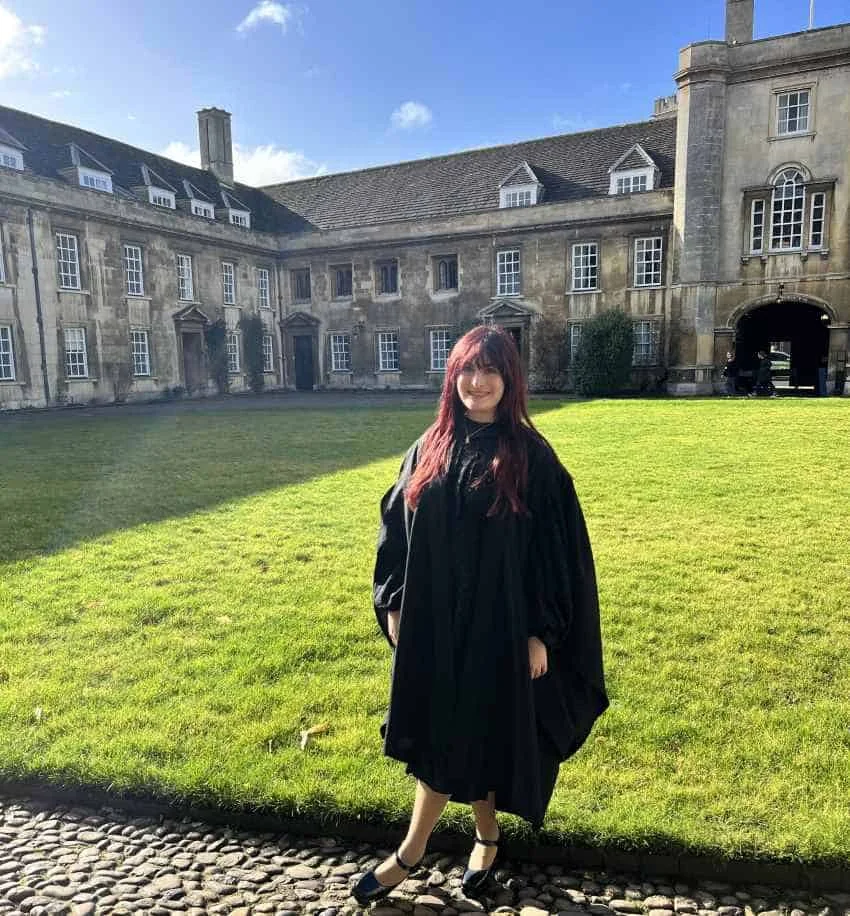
(181, 595)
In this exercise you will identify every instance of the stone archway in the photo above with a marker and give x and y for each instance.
(800, 326)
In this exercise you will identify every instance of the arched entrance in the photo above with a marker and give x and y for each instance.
(795, 332)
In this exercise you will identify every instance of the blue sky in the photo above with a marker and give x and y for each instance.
(331, 85)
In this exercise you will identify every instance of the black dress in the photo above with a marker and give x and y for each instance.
(464, 713)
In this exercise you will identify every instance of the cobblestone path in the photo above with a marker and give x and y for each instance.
(71, 860)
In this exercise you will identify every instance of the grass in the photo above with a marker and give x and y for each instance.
(181, 595)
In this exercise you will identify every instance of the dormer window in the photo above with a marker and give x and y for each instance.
(240, 218)
(631, 182)
(97, 181)
(520, 188)
(523, 198)
(199, 208)
(11, 158)
(159, 197)
(634, 171)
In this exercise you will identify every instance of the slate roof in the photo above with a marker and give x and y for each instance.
(49, 148)
(570, 167)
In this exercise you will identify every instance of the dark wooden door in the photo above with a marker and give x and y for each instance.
(516, 333)
(304, 362)
(192, 361)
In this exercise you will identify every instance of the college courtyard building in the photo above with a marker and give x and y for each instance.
(718, 224)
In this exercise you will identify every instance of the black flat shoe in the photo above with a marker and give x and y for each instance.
(369, 889)
(474, 879)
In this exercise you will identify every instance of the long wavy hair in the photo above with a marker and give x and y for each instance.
(490, 347)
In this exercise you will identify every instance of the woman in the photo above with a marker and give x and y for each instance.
(484, 584)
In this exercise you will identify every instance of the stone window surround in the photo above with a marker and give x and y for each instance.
(332, 272)
(63, 235)
(268, 353)
(185, 279)
(809, 86)
(378, 267)
(139, 290)
(293, 283)
(584, 289)
(436, 260)
(340, 353)
(74, 341)
(264, 301)
(812, 188)
(7, 352)
(499, 290)
(633, 244)
(228, 283)
(141, 355)
(449, 332)
(379, 351)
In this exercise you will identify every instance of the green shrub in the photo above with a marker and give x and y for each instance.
(602, 364)
(216, 338)
(252, 346)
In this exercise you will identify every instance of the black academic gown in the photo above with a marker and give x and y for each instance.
(464, 713)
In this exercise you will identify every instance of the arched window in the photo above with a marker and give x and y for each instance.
(789, 199)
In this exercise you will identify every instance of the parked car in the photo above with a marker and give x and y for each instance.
(780, 362)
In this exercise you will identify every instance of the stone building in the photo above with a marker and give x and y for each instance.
(720, 222)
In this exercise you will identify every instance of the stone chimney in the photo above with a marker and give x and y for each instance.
(739, 21)
(665, 107)
(216, 146)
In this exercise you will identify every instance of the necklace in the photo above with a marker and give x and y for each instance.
(471, 435)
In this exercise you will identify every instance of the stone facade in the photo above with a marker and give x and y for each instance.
(421, 243)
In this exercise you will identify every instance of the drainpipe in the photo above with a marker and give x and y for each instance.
(38, 312)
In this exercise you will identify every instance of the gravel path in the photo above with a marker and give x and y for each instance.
(72, 860)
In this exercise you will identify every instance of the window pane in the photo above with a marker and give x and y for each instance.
(648, 261)
(508, 273)
(76, 358)
(268, 353)
(68, 259)
(388, 350)
(817, 227)
(441, 344)
(340, 353)
(263, 287)
(185, 289)
(585, 266)
(141, 352)
(228, 283)
(7, 356)
(133, 270)
(789, 198)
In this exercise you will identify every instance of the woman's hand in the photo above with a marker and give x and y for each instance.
(538, 657)
(393, 618)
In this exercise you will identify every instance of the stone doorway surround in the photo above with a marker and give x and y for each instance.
(515, 317)
(189, 324)
(299, 324)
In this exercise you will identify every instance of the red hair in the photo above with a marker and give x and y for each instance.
(491, 347)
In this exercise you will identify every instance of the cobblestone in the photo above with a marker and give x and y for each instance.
(79, 862)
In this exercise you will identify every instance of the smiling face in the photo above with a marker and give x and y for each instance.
(480, 389)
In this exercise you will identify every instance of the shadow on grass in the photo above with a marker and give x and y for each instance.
(69, 478)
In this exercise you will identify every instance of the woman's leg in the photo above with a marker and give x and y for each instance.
(487, 827)
(427, 809)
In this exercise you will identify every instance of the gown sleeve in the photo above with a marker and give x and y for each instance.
(561, 574)
(391, 558)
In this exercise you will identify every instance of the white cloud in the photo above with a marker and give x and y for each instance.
(266, 11)
(60, 93)
(410, 115)
(260, 165)
(17, 43)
